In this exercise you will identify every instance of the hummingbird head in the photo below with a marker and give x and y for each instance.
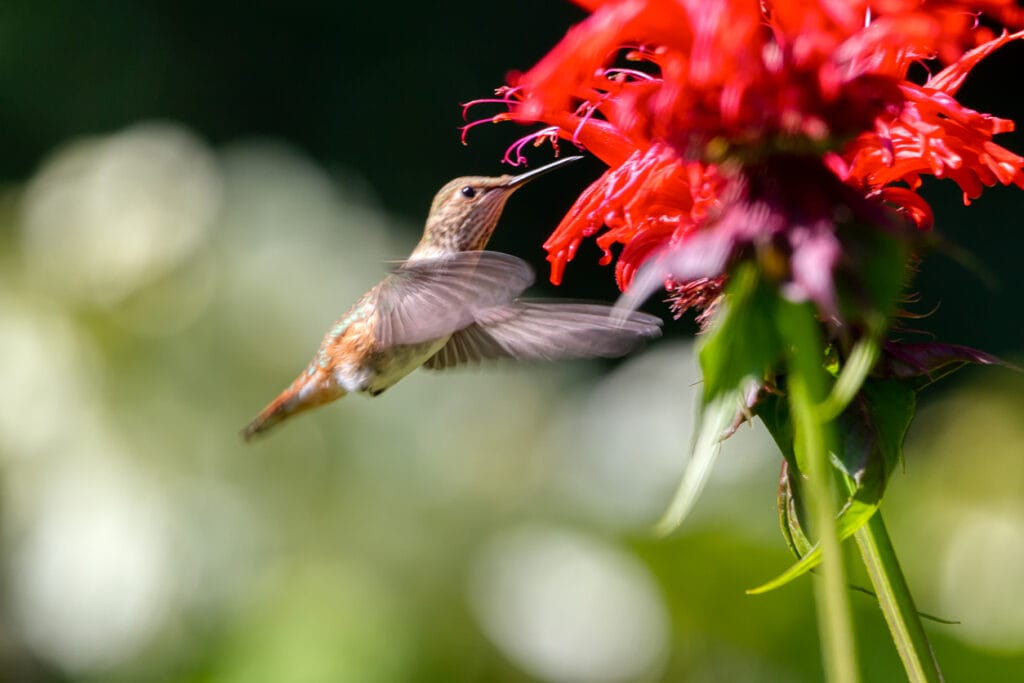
(466, 210)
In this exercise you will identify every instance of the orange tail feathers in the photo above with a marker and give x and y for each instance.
(300, 396)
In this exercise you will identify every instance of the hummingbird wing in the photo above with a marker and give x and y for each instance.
(430, 298)
(546, 331)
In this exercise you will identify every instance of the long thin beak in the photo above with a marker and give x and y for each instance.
(517, 180)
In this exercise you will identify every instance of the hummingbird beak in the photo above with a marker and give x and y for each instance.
(518, 180)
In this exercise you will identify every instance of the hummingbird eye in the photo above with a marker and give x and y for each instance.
(468, 192)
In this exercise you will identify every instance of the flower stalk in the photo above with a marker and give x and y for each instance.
(896, 602)
(812, 436)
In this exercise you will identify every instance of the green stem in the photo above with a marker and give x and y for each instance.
(834, 620)
(806, 390)
(896, 602)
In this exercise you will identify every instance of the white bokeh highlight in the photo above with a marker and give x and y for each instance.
(983, 557)
(106, 216)
(50, 379)
(91, 572)
(624, 446)
(568, 608)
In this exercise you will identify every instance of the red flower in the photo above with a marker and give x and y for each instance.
(933, 134)
(694, 104)
(648, 201)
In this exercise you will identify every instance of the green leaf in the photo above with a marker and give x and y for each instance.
(873, 429)
(774, 413)
(738, 351)
(851, 518)
(716, 419)
(742, 344)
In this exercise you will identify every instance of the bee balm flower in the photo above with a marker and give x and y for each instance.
(696, 105)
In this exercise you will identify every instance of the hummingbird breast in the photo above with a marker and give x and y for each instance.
(356, 362)
(388, 366)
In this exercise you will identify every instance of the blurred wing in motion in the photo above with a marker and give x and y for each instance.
(546, 331)
(430, 298)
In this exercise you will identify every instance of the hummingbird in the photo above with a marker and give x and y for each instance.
(451, 304)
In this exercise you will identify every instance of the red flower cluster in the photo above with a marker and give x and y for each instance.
(932, 134)
(671, 94)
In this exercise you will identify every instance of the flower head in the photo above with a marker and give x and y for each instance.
(695, 104)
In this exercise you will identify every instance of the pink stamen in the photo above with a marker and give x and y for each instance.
(536, 138)
(589, 108)
(489, 100)
(505, 95)
(464, 130)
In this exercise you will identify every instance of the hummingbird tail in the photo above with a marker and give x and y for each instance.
(275, 412)
(295, 399)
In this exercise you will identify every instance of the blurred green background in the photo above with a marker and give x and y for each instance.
(192, 192)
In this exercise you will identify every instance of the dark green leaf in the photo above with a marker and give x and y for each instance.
(888, 406)
(742, 344)
(873, 430)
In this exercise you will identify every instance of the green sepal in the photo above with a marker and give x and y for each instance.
(791, 511)
(774, 413)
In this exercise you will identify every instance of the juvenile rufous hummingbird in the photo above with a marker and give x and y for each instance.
(451, 303)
